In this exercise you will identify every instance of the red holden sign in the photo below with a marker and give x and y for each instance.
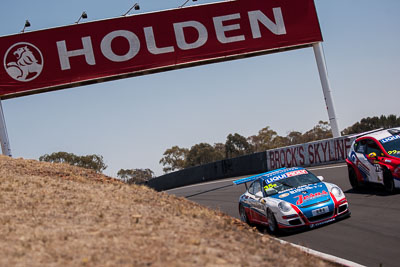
(79, 54)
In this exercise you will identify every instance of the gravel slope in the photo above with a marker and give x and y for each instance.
(59, 215)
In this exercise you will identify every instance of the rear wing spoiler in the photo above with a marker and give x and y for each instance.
(255, 177)
(365, 133)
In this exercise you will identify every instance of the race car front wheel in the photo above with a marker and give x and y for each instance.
(242, 213)
(272, 224)
(388, 181)
(353, 178)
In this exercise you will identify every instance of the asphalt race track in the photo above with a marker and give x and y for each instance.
(371, 236)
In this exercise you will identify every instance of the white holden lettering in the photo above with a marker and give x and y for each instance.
(134, 45)
(86, 51)
(222, 25)
(151, 43)
(220, 29)
(180, 35)
(257, 16)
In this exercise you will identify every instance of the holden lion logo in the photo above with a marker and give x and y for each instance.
(23, 62)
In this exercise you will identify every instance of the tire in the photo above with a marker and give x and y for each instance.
(243, 215)
(388, 182)
(353, 178)
(272, 224)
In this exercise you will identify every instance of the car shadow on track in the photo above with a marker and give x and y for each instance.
(371, 189)
(295, 231)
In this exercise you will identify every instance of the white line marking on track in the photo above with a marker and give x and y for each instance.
(213, 182)
(233, 179)
(330, 167)
(322, 255)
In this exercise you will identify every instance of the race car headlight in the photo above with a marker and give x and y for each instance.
(284, 206)
(336, 191)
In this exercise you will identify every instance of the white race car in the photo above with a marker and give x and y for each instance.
(290, 198)
(375, 158)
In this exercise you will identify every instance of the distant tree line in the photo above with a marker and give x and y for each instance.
(369, 124)
(135, 176)
(96, 163)
(177, 158)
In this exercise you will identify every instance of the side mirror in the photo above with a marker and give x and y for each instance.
(321, 178)
(259, 194)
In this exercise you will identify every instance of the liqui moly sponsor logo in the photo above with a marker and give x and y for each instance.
(285, 175)
(295, 173)
(389, 139)
(276, 178)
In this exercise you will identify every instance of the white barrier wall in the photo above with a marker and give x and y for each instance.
(327, 151)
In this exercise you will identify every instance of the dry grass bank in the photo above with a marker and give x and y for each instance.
(59, 215)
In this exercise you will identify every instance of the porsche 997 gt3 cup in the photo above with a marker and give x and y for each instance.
(375, 158)
(290, 198)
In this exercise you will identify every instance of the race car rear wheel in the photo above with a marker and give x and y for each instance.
(353, 178)
(243, 215)
(388, 181)
(272, 224)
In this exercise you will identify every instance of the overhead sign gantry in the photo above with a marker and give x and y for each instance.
(80, 54)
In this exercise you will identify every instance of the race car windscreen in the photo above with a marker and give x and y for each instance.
(289, 183)
(393, 148)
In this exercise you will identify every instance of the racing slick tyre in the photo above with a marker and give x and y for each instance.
(388, 182)
(243, 215)
(272, 224)
(353, 178)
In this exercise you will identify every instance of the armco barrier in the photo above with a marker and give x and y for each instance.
(248, 164)
(321, 152)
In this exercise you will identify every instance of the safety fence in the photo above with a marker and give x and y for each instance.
(321, 152)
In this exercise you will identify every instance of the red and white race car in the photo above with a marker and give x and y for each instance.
(375, 158)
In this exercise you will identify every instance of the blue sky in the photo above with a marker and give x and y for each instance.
(131, 122)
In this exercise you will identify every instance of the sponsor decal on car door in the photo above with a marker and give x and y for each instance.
(369, 168)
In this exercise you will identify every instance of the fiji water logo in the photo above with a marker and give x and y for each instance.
(23, 62)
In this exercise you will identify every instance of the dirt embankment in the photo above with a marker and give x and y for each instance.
(59, 215)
